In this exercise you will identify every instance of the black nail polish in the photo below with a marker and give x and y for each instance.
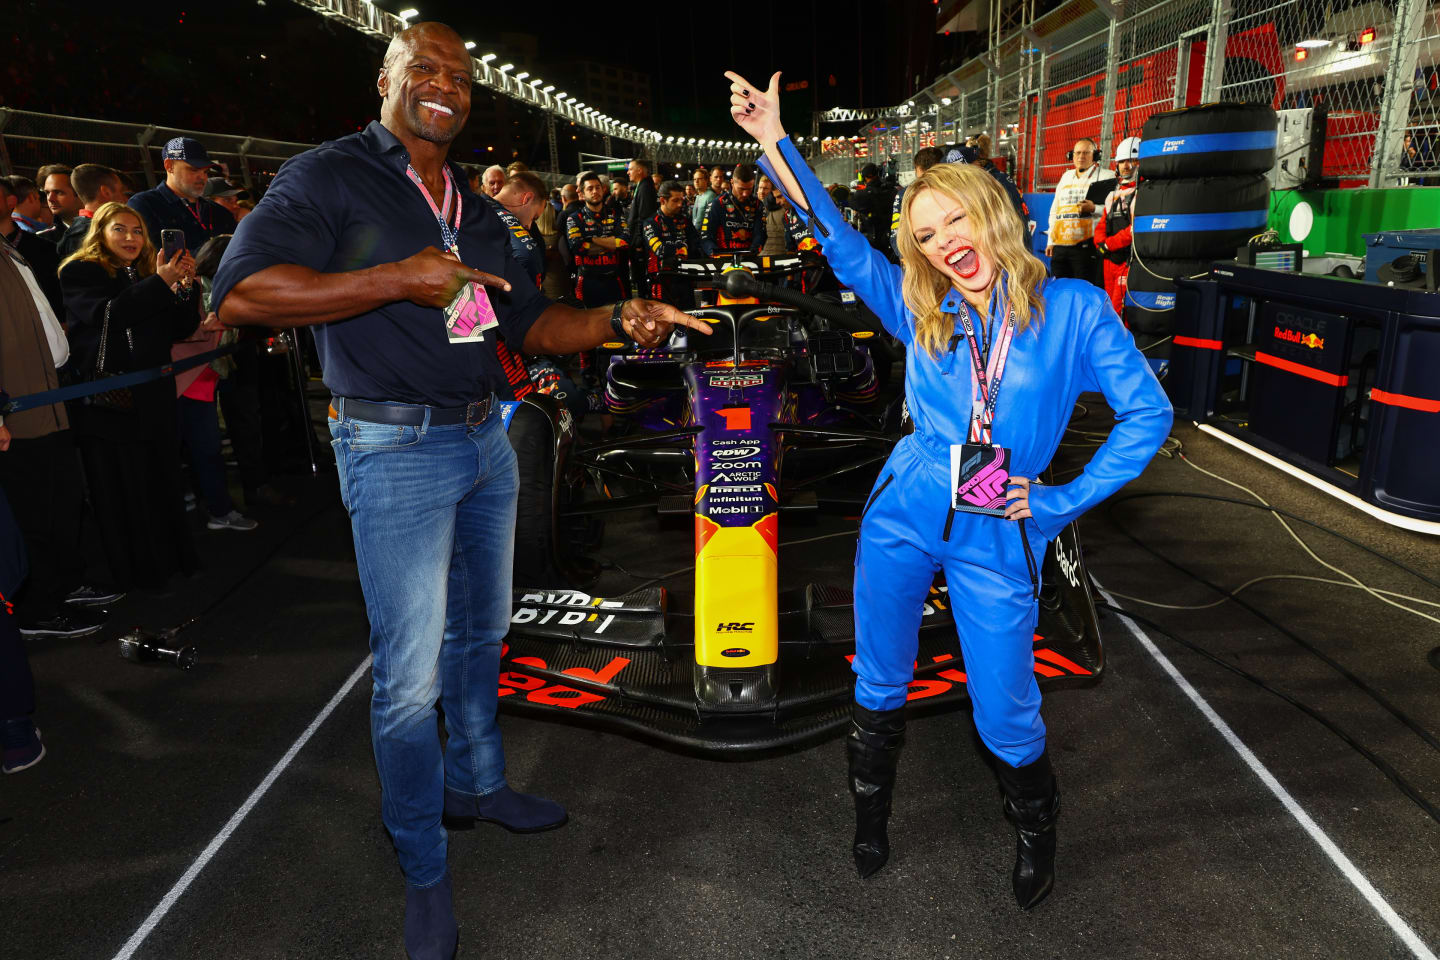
(745, 93)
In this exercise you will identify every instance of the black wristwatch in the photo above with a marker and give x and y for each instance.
(616, 323)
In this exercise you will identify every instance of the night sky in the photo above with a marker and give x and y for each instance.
(200, 66)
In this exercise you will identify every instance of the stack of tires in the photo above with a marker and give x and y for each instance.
(1203, 193)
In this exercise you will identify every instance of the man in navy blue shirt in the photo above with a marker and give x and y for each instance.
(179, 203)
(377, 242)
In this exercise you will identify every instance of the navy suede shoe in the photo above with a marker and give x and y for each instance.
(430, 930)
(516, 812)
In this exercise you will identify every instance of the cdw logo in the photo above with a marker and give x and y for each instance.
(747, 627)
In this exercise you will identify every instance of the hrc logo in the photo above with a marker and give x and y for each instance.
(746, 627)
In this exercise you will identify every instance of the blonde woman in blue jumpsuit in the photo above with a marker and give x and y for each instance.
(965, 269)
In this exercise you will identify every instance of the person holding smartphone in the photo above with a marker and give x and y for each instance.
(132, 455)
(997, 356)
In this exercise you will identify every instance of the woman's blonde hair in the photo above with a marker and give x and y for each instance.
(996, 232)
(93, 247)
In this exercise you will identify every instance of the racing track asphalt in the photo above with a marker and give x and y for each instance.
(1170, 845)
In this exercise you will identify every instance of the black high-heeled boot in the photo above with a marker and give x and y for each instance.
(1032, 804)
(874, 751)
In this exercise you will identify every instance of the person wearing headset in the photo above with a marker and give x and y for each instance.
(997, 355)
(1071, 248)
(1112, 231)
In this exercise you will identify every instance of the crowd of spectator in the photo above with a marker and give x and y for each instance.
(98, 280)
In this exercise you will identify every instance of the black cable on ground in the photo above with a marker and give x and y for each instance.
(245, 578)
(1389, 772)
(1319, 654)
(1284, 513)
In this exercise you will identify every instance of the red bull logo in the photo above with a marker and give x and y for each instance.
(1310, 340)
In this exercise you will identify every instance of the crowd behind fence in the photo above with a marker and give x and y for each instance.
(1093, 69)
(30, 140)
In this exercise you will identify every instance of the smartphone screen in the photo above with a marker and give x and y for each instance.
(172, 242)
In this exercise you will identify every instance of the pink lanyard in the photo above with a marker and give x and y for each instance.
(987, 375)
(449, 236)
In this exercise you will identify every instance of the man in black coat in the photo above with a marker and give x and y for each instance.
(643, 207)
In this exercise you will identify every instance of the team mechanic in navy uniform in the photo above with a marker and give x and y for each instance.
(346, 240)
(978, 317)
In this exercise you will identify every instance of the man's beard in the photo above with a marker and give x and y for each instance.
(419, 126)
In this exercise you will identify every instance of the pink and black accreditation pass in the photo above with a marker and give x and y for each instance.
(469, 315)
(979, 473)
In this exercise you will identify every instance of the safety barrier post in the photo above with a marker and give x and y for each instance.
(242, 151)
(143, 138)
(297, 365)
(1112, 79)
(1399, 89)
(1214, 76)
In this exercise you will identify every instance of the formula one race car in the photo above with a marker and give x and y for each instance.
(768, 418)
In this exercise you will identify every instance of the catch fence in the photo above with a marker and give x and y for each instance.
(1095, 69)
(30, 140)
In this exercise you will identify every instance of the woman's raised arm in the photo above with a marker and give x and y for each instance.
(856, 263)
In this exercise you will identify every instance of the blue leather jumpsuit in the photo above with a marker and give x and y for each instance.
(908, 531)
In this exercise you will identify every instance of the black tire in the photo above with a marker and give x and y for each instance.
(1213, 139)
(1200, 218)
(1150, 292)
(541, 431)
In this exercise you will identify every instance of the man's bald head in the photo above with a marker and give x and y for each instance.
(425, 84)
(404, 41)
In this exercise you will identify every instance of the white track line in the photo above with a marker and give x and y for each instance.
(1351, 873)
(146, 928)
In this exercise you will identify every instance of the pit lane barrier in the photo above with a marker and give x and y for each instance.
(1335, 382)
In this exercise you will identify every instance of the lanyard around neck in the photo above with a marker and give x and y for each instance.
(989, 368)
(449, 236)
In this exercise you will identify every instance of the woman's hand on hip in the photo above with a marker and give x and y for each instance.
(757, 111)
(1017, 499)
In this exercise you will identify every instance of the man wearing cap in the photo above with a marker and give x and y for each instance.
(1112, 232)
(179, 203)
(405, 277)
(225, 193)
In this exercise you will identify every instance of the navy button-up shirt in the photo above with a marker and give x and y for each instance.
(347, 205)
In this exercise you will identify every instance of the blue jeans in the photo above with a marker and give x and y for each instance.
(200, 432)
(432, 510)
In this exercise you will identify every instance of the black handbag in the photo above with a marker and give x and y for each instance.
(121, 399)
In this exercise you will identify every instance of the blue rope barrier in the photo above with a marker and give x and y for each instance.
(32, 400)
